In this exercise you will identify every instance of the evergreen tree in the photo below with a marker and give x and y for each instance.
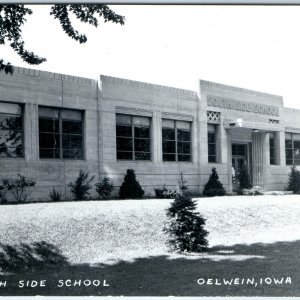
(185, 226)
(130, 188)
(294, 180)
(243, 178)
(214, 186)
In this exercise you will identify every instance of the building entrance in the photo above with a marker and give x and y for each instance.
(239, 159)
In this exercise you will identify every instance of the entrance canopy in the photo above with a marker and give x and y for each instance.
(257, 126)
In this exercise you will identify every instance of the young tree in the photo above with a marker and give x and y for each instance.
(214, 186)
(130, 188)
(244, 178)
(13, 16)
(81, 186)
(294, 180)
(185, 226)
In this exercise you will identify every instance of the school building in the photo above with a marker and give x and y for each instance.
(52, 125)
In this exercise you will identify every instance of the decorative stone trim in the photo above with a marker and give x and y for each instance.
(237, 89)
(51, 75)
(213, 117)
(176, 116)
(292, 129)
(140, 84)
(134, 111)
(230, 124)
(272, 121)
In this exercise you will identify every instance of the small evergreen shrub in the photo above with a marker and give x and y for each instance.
(294, 180)
(55, 195)
(3, 191)
(21, 187)
(130, 187)
(185, 226)
(104, 188)
(244, 179)
(164, 193)
(214, 186)
(81, 186)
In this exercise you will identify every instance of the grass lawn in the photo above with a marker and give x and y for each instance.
(121, 242)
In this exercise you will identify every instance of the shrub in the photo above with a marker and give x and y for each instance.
(294, 180)
(130, 188)
(3, 191)
(165, 193)
(104, 188)
(55, 195)
(185, 226)
(254, 191)
(244, 178)
(21, 187)
(81, 186)
(214, 186)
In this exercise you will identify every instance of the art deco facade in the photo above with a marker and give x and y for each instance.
(53, 125)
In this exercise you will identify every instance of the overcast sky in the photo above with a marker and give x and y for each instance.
(255, 47)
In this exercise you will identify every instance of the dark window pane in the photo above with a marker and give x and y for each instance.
(71, 141)
(211, 149)
(272, 161)
(142, 145)
(10, 138)
(169, 147)
(183, 135)
(183, 147)
(296, 153)
(49, 140)
(10, 122)
(169, 157)
(272, 144)
(168, 134)
(212, 158)
(125, 131)
(241, 150)
(124, 144)
(183, 157)
(72, 154)
(72, 127)
(289, 161)
(49, 153)
(272, 152)
(297, 162)
(288, 144)
(48, 125)
(289, 153)
(124, 155)
(211, 137)
(142, 156)
(142, 132)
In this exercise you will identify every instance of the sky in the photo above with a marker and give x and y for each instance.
(254, 47)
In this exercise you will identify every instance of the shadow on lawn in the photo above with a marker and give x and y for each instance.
(162, 276)
(30, 257)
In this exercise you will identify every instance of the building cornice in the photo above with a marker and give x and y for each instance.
(52, 75)
(141, 84)
(238, 89)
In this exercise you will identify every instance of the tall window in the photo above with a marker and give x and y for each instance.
(211, 142)
(176, 140)
(272, 149)
(133, 137)
(11, 130)
(60, 133)
(292, 148)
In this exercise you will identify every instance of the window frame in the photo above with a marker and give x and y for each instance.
(21, 106)
(291, 148)
(177, 141)
(272, 146)
(61, 133)
(214, 143)
(133, 138)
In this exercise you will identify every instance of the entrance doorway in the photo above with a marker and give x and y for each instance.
(239, 160)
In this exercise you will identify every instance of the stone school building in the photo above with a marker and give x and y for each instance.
(53, 125)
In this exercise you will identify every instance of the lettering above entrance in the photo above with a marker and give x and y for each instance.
(227, 103)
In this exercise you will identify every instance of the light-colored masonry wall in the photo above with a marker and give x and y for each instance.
(33, 88)
(156, 102)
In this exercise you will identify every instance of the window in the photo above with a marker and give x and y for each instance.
(11, 130)
(60, 133)
(292, 148)
(211, 142)
(272, 149)
(176, 140)
(133, 137)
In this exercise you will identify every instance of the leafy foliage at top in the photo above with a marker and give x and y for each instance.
(13, 16)
(81, 186)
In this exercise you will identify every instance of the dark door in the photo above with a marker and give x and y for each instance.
(239, 159)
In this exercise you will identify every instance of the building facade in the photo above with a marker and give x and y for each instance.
(53, 125)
